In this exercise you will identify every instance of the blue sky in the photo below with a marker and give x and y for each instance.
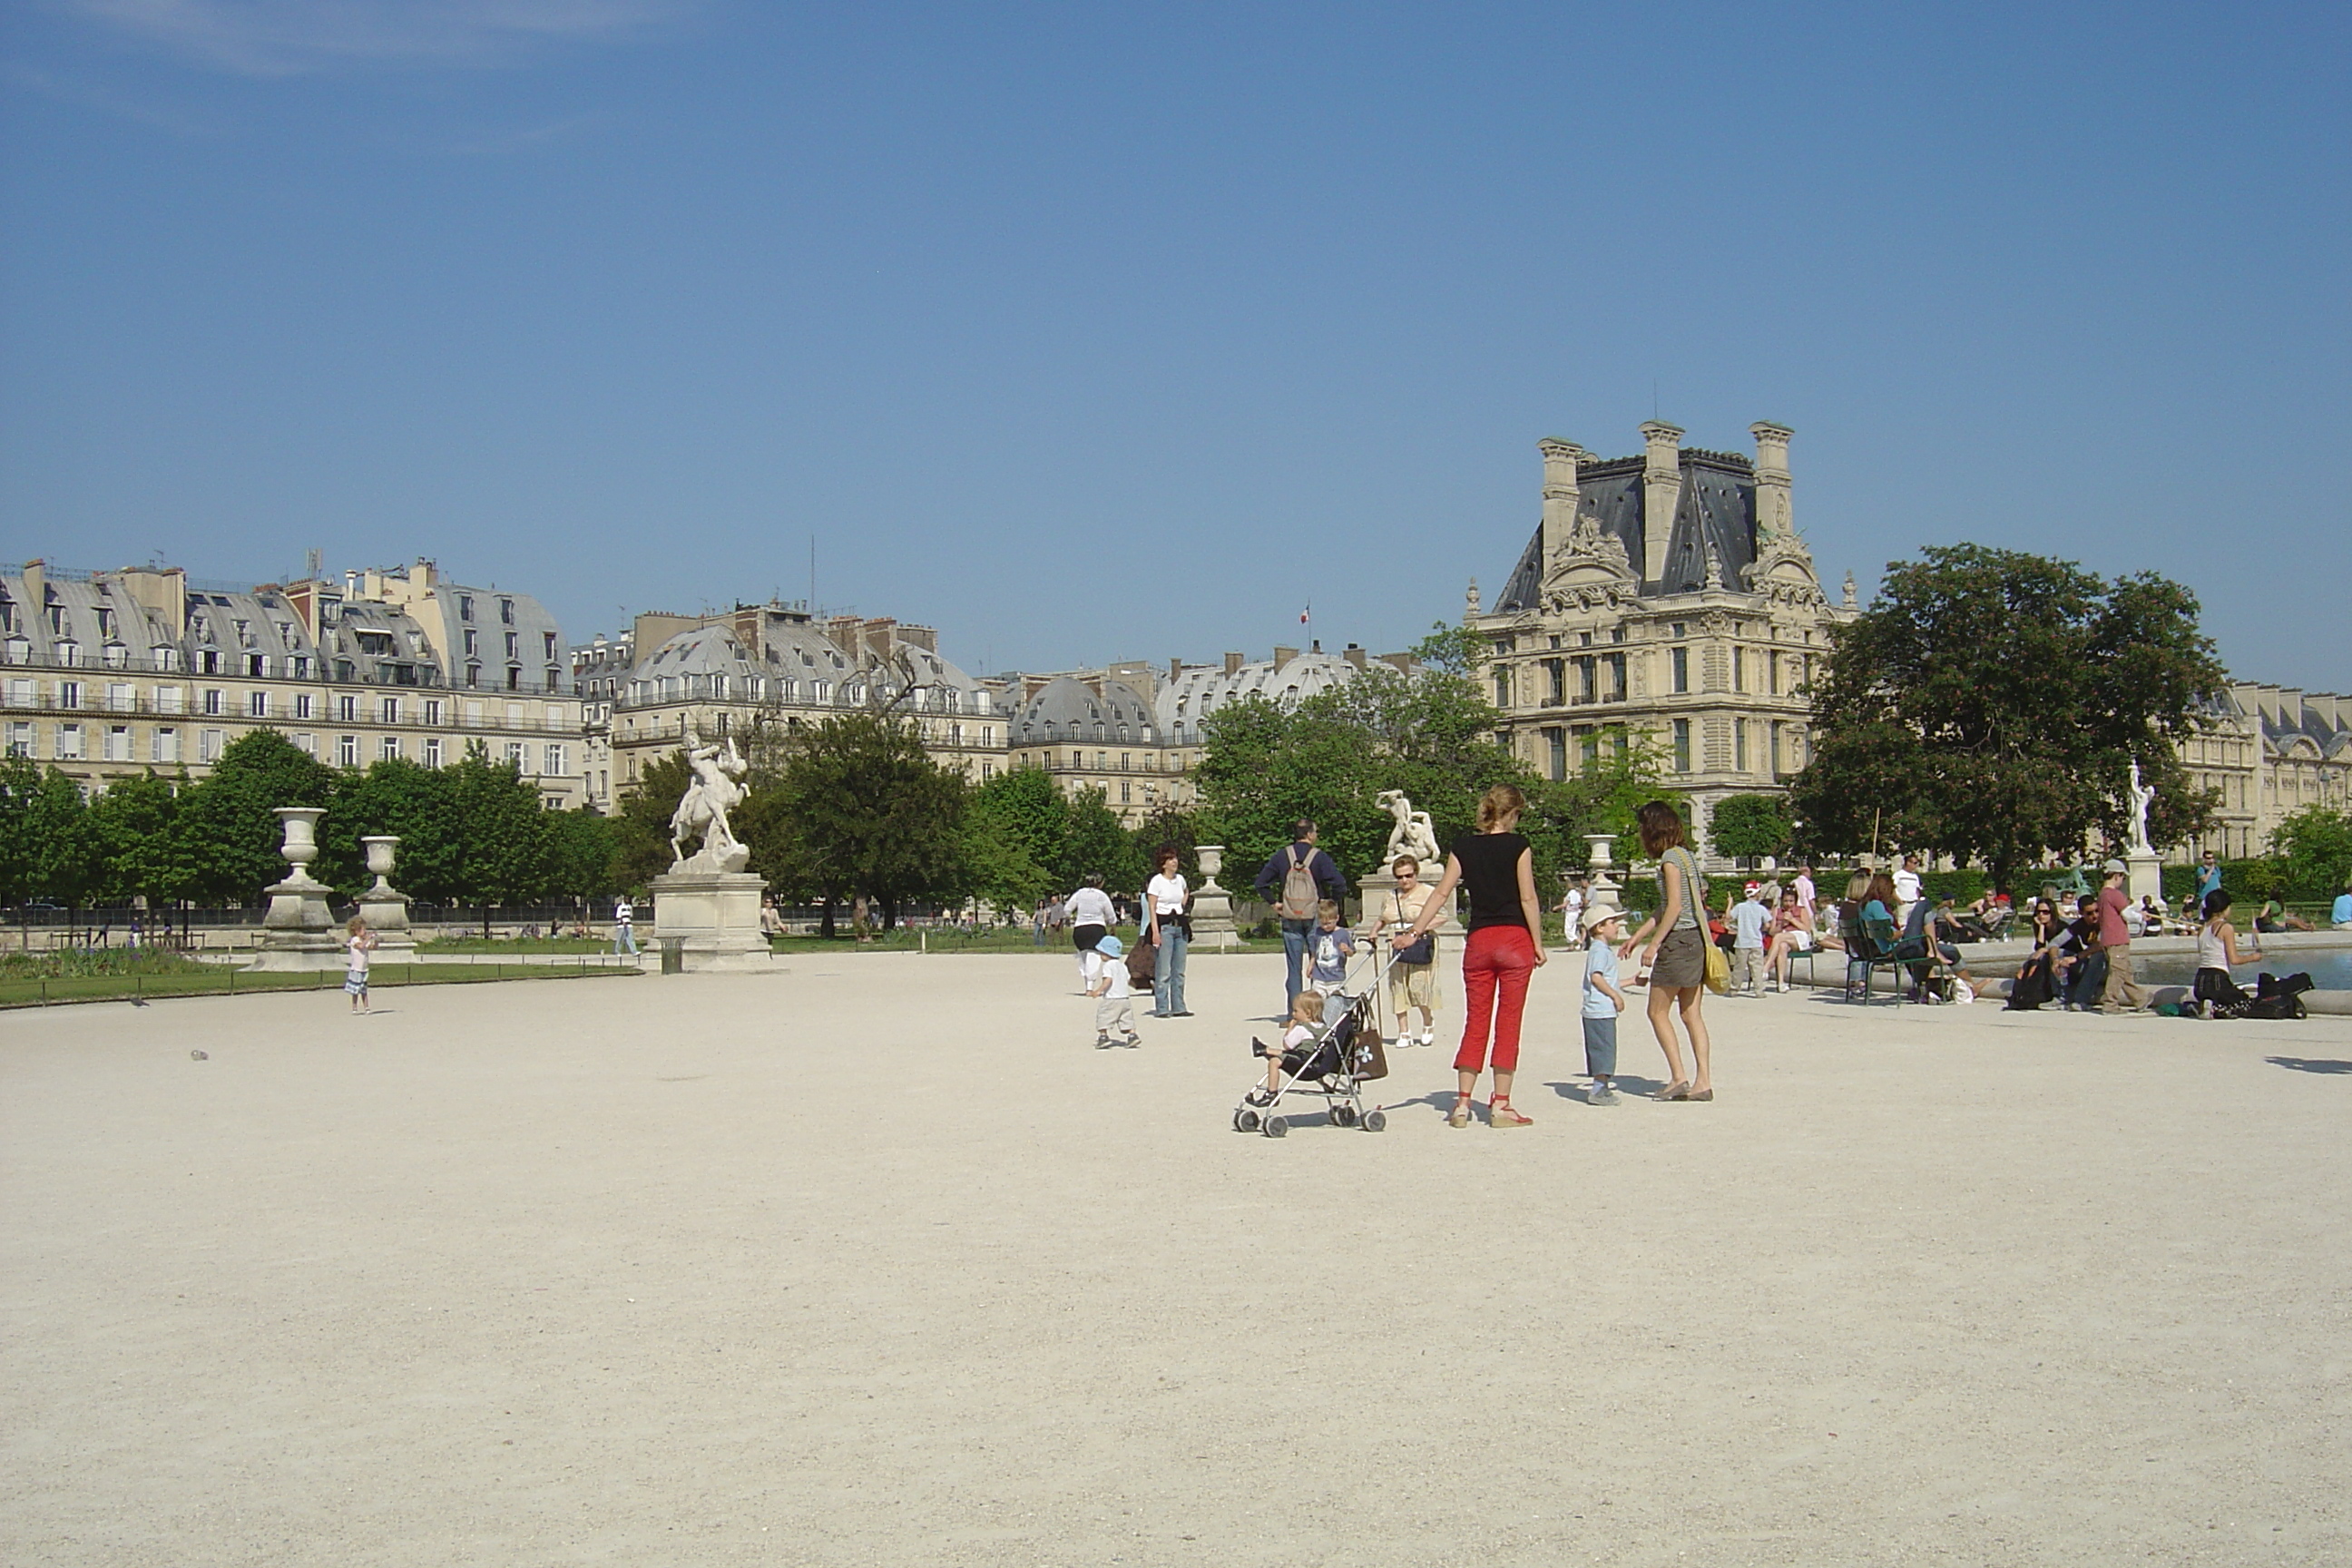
(1087, 331)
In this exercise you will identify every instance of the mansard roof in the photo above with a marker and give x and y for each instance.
(1717, 506)
(1067, 709)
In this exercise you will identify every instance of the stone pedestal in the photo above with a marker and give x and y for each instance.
(299, 931)
(1212, 907)
(385, 907)
(2145, 878)
(714, 916)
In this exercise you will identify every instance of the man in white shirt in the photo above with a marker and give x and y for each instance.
(625, 929)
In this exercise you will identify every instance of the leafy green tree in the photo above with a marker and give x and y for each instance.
(1429, 733)
(1099, 845)
(414, 803)
(1017, 829)
(20, 789)
(1989, 705)
(872, 814)
(64, 858)
(2316, 845)
(502, 836)
(138, 852)
(229, 824)
(580, 849)
(1601, 797)
(1748, 826)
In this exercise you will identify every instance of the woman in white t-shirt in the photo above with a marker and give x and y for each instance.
(1169, 929)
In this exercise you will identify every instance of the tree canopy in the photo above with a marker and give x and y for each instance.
(1431, 733)
(1990, 703)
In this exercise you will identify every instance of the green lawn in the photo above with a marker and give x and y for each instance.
(86, 982)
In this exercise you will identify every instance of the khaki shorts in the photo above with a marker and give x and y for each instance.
(1412, 985)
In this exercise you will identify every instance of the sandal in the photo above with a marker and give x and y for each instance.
(1501, 1112)
(1461, 1116)
(1678, 1090)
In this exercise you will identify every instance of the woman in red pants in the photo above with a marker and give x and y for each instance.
(1506, 946)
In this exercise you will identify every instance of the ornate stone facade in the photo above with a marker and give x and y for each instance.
(1670, 595)
(714, 675)
(105, 674)
(2270, 751)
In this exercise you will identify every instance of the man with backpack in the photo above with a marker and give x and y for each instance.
(1295, 881)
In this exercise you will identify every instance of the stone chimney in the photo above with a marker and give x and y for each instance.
(37, 586)
(1175, 670)
(1354, 654)
(1773, 517)
(1283, 655)
(1661, 494)
(161, 591)
(1561, 494)
(1233, 662)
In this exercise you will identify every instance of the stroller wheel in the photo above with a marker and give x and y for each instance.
(1244, 1120)
(1343, 1116)
(1376, 1120)
(1276, 1127)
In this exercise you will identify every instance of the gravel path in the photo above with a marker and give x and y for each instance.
(879, 1262)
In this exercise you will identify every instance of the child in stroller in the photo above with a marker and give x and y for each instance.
(1331, 1048)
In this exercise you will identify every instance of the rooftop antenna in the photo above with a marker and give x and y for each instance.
(812, 573)
(311, 563)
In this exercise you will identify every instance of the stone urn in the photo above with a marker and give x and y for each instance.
(1212, 907)
(385, 907)
(1604, 846)
(299, 930)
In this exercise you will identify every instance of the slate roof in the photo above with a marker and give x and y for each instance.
(1717, 506)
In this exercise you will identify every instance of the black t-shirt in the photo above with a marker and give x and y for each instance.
(1490, 871)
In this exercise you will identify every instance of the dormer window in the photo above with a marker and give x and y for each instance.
(105, 623)
(57, 620)
(506, 611)
(243, 634)
(464, 607)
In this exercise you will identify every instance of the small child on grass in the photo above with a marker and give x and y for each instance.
(1602, 1001)
(1333, 947)
(1115, 998)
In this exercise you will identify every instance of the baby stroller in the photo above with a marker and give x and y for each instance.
(1344, 1056)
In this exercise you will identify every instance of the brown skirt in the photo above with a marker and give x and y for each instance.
(1682, 960)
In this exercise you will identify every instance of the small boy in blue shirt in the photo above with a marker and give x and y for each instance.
(1331, 946)
(1602, 1001)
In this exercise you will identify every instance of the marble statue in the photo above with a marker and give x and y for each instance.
(1413, 834)
(716, 786)
(2143, 797)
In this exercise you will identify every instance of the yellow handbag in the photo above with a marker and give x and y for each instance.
(1718, 967)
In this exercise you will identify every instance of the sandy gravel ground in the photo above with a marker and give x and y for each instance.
(880, 1262)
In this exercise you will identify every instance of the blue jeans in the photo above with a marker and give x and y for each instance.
(1298, 941)
(624, 940)
(2085, 979)
(1167, 971)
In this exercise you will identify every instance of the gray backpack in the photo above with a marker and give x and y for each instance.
(1301, 899)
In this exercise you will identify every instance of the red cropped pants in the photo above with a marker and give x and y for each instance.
(1495, 963)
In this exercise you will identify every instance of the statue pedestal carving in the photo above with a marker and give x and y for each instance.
(714, 916)
(1212, 907)
(299, 931)
(2144, 876)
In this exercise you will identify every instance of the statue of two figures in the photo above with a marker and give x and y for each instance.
(1413, 833)
(716, 788)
